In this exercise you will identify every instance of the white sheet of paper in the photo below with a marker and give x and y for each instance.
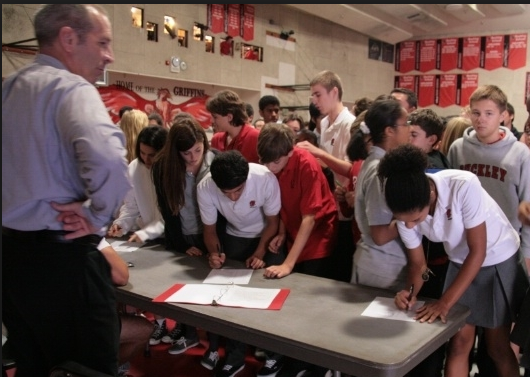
(384, 307)
(125, 247)
(226, 295)
(229, 276)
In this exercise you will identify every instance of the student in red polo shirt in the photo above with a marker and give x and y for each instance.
(308, 218)
(231, 120)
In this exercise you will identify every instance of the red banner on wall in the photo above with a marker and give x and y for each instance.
(427, 55)
(406, 56)
(470, 53)
(216, 18)
(407, 81)
(233, 20)
(515, 54)
(446, 93)
(468, 83)
(426, 90)
(492, 56)
(247, 22)
(448, 54)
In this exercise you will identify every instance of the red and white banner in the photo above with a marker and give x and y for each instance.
(515, 53)
(233, 20)
(407, 81)
(216, 18)
(441, 90)
(406, 56)
(247, 22)
(427, 55)
(467, 53)
(470, 53)
(149, 94)
(446, 93)
(492, 55)
(426, 90)
(448, 54)
(468, 83)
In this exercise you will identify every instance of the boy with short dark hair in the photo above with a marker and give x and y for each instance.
(426, 131)
(247, 195)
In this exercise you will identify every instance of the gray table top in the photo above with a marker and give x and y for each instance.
(320, 322)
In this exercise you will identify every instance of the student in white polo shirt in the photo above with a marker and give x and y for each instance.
(485, 272)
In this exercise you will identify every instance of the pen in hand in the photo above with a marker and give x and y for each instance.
(219, 252)
(411, 291)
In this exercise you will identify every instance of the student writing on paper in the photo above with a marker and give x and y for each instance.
(248, 196)
(139, 212)
(309, 219)
(485, 272)
(182, 163)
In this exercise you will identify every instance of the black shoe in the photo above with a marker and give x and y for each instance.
(271, 367)
(229, 370)
(158, 333)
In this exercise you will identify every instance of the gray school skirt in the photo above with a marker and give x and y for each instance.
(495, 295)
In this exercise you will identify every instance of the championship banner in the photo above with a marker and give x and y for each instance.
(447, 54)
(216, 17)
(470, 53)
(407, 81)
(247, 22)
(427, 55)
(406, 56)
(233, 20)
(468, 83)
(446, 90)
(515, 51)
(492, 56)
(426, 90)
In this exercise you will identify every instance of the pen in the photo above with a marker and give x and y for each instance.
(219, 251)
(411, 291)
(338, 183)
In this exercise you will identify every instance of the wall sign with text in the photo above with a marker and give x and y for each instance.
(442, 90)
(155, 95)
(466, 53)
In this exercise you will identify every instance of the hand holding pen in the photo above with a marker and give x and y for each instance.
(217, 259)
(404, 299)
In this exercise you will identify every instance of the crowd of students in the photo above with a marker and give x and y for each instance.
(359, 223)
(386, 195)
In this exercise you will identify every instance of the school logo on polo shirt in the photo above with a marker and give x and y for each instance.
(252, 203)
(449, 214)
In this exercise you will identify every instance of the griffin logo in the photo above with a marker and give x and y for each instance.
(252, 203)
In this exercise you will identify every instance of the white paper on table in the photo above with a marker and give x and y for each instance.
(229, 276)
(124, 246)
(384, 307)
(225, 295)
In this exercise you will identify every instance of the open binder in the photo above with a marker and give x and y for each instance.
(225, 295)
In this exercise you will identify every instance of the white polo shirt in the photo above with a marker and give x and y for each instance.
(463, 204)
(246, 216)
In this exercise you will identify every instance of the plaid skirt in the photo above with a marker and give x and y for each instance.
(495, 296)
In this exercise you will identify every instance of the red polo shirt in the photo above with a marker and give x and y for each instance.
(305, 190)
(246, 142)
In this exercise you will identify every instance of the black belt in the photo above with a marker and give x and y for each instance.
(53, 236)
